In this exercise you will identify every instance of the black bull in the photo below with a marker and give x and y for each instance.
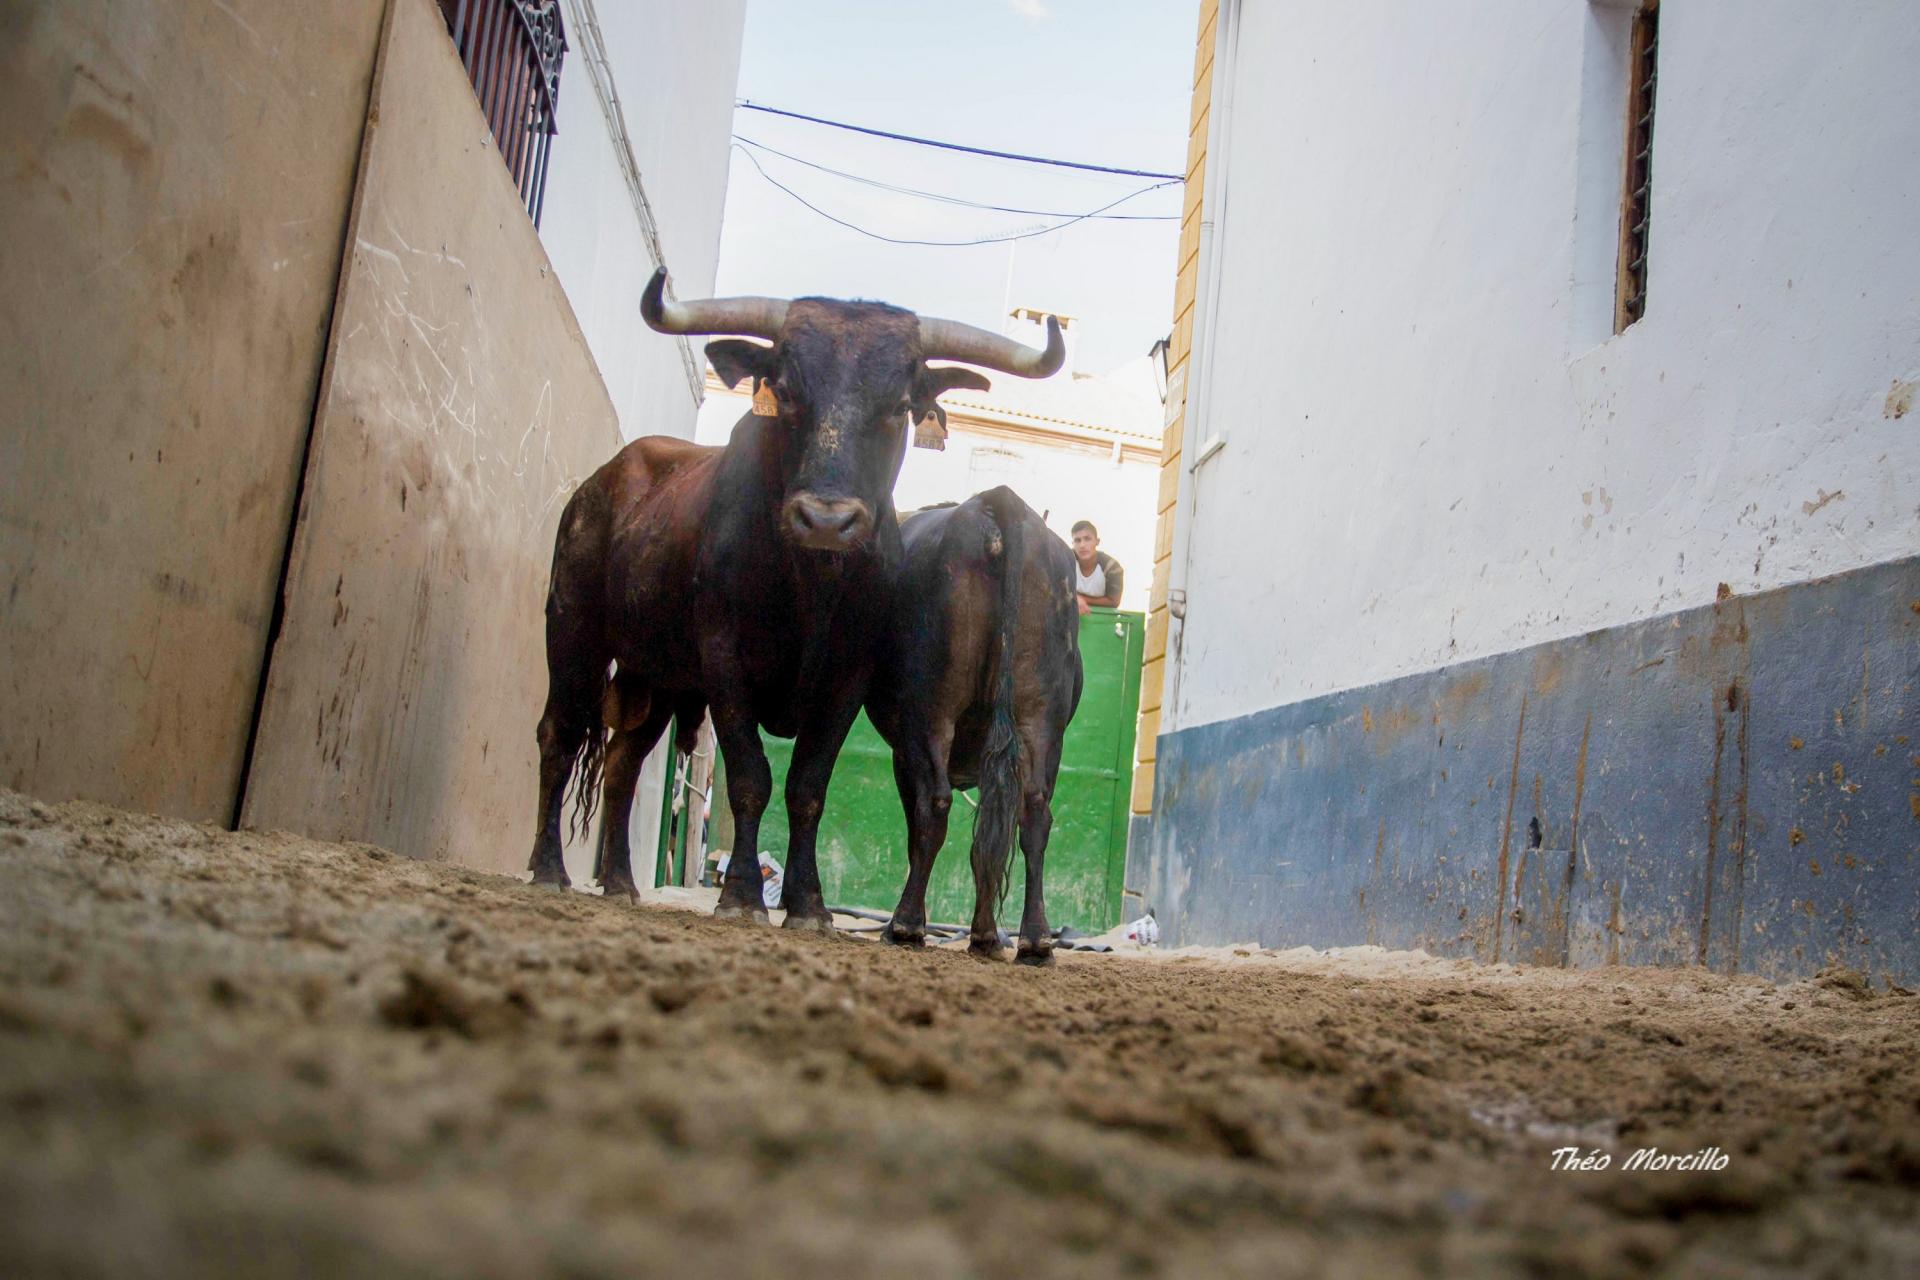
(979, 673)
(750, 579)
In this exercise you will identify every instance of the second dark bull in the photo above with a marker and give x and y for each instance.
(979, 673)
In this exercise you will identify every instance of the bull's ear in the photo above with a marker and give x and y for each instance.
(930, 419)
(735, 360)
(937, 382)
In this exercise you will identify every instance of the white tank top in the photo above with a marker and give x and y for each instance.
(1090, 584)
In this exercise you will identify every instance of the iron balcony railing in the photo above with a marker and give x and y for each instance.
(512, 51)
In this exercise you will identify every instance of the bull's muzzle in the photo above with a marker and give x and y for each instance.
(827, 524)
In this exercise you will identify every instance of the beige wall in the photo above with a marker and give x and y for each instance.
(461, 406)
(174, 182)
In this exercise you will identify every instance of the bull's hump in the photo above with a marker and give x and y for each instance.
(661, 456)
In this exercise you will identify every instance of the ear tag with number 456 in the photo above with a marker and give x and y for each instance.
(764, 403)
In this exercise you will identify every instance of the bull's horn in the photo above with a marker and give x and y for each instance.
(749, 317)
(951, 340)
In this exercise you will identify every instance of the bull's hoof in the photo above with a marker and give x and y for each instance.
(808, 922)
(735, 911)
(898, 935)
(551, 878)
(1035, 954)
(619, 889)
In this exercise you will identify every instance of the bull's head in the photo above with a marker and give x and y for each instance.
(845, 379)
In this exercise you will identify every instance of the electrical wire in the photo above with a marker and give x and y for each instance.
(745, 105)
(957, 200)
(944, 244)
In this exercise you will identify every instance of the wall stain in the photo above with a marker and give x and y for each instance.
(1506, 831)
(1459, 696)
(1822, 498)
(1549, 669)
(1613, 925)
(1713, 828)
(1899, 398)
(1563, 906)
(1741, 701)
(1370, 901)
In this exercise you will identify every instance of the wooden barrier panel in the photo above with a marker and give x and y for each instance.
(174, 185)
(460, 408)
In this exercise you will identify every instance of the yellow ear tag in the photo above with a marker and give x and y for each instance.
(764, 403)
(928, 433)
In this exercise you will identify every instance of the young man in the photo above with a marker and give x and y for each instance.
(1098, 578)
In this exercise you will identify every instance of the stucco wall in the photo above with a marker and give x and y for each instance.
(673, 66)
(460, 408)
(174, 184)
(1432, 452)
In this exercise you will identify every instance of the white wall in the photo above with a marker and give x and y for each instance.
(1434, 452)
(1068, 484)
(674, 67)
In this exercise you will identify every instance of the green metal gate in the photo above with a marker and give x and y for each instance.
(863, 835)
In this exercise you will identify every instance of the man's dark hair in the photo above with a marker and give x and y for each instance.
(1078, 525)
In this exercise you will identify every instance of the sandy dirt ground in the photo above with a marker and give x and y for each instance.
(251, 1053)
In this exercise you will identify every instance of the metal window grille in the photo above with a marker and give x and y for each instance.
(1636, 199)
(512, 51)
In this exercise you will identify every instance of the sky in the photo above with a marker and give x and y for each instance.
(1097, 81)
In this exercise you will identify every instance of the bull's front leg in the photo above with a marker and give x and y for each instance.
(926, 794)
(749, 786)
(815, 749)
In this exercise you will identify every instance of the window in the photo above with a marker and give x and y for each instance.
(512, 51)
(1630, 294)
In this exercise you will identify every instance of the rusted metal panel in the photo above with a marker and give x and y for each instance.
(460, 409)
(173, 192)
(1736, 786)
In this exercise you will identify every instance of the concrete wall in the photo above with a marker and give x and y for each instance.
(174, 184)
(673, 67)
(460, 408)
(1435, 448)
(177, 195)
(1735, 785)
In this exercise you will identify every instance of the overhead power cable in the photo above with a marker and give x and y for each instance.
(944, 244)
(957, 200)
(746, 105)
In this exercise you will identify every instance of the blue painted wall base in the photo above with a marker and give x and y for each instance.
(1736, 786)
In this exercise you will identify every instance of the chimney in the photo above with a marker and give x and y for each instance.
(1029, 325)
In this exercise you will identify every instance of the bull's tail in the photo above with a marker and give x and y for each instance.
(588, 758)
(1003, 767)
